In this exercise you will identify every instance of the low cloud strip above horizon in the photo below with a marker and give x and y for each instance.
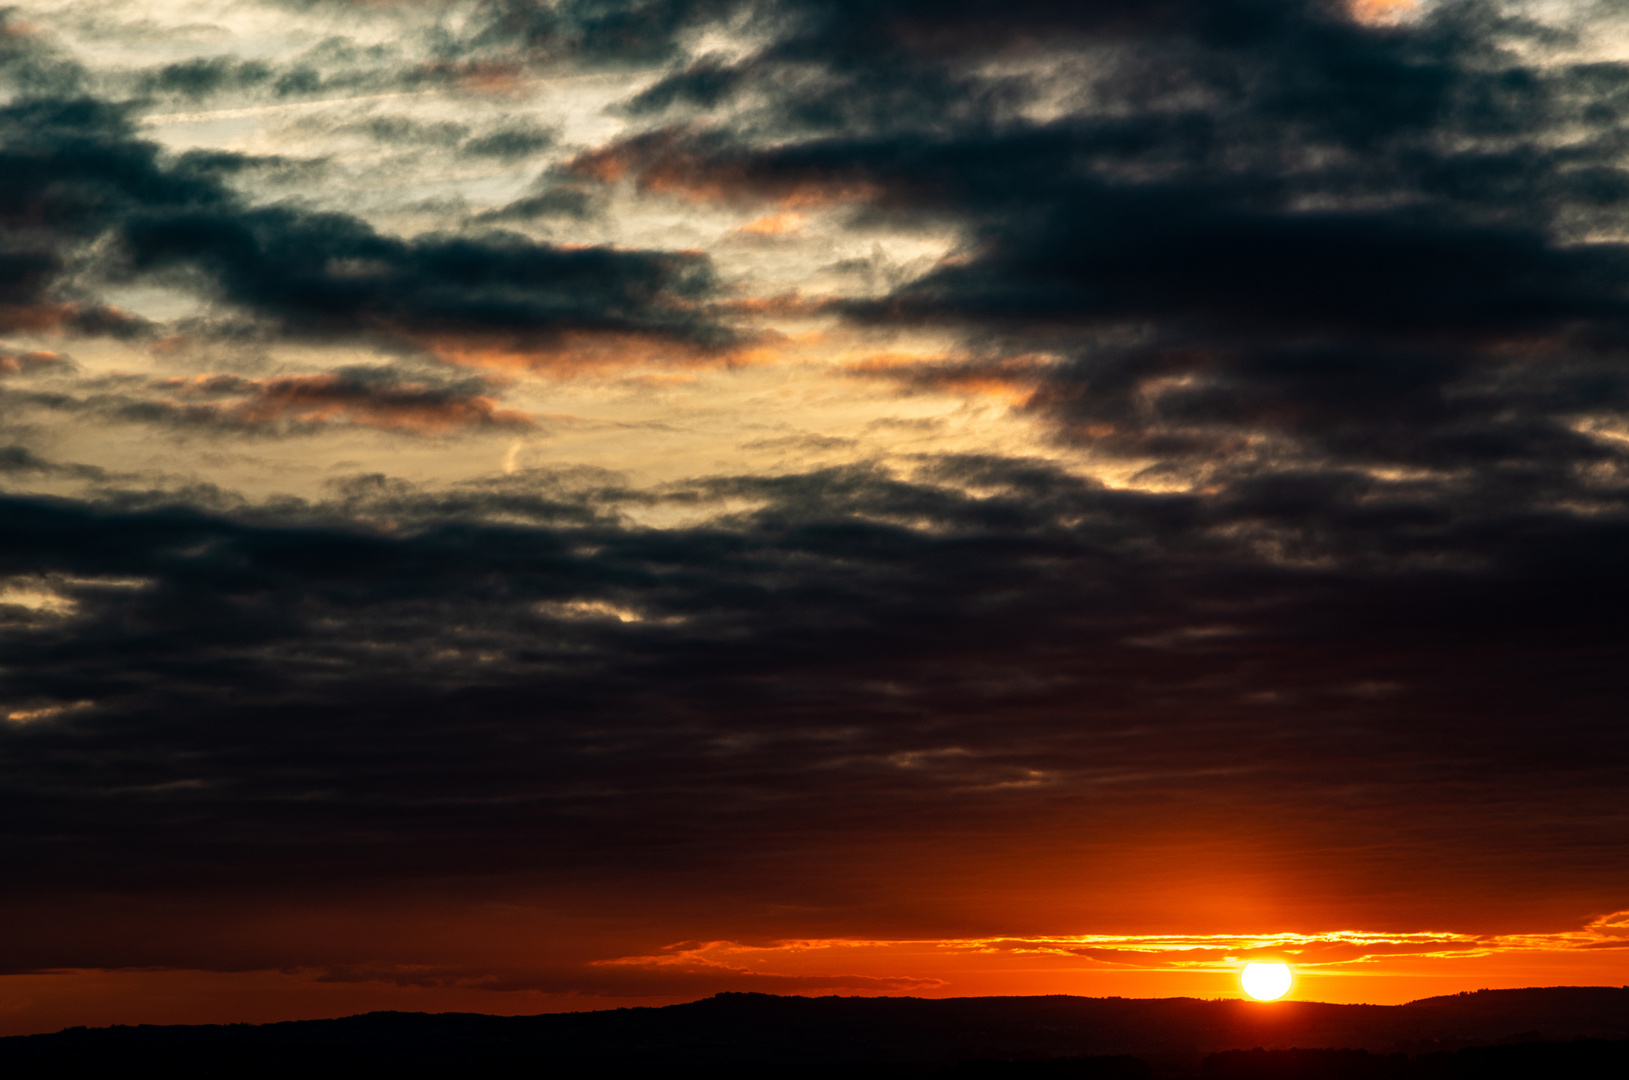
(1322, 953)
(490, 489)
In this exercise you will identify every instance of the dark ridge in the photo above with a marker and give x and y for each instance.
(1582, 1058)
(759, 1034)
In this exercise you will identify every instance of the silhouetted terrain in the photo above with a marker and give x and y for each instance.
(1529, 1061)
(1564, 1031)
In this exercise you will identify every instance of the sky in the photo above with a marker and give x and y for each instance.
(534, 505)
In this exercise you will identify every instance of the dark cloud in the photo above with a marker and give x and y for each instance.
(74, 172)
(335, 66)
(553, 200)
(74, 168)
(277, 406)
(618, 32)
(599, 696)
(20, 459)
(509, 143)
(706, 83)
(365, 397)
(206, 76)
(323, 275)
(27, 59)
(404, 130)
(1263, 224)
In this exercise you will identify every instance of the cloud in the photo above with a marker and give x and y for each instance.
(280, 405)
(1012, 378)
(669, 162)
(206, 76)
(27, 363)
(509, 143)
(78, 175)
(1367, 254)
(1382, 12)
(847, 618)
(773, 225)
(327, 275)
(1311, 953)
(623, 32)
(368, 398)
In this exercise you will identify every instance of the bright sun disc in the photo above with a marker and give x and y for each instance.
(1264, 982)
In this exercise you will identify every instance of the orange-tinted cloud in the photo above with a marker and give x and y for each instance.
(786, 305)
(21, 363)
(782, 224)
(665, 162)
(487, 76)
(34, 317)
(1331, 952)
(1382, 12)
(71, 318)
(1010, 379)
(341, 399)
(571, 353)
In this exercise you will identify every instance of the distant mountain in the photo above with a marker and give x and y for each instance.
(762, 1035)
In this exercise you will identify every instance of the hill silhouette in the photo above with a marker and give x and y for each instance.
(759, 1034)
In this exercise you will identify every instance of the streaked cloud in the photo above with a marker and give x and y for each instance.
(1329, 952)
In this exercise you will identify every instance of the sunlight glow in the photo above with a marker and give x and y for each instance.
(1266, 982)
(1383, 12)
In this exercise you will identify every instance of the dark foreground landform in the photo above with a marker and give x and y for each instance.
(1556, 1032)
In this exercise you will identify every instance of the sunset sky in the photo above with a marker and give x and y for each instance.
(526, 505)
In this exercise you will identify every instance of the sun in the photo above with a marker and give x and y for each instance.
(1265, 982)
